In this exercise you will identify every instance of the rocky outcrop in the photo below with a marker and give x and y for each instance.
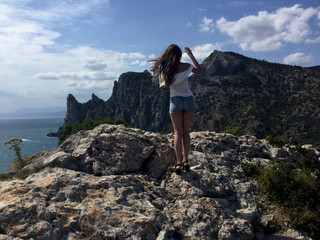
(262, 98)
(135, 99)
(118, 183)
(77, 112)
(234, 91)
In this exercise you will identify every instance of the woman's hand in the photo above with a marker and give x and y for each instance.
(197, 69)
(188, 51)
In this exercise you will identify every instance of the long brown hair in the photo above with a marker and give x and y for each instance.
(167, 64)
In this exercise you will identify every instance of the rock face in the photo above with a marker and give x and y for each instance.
(135, 98)
(260, 97)
(234, 91)
(118, 183)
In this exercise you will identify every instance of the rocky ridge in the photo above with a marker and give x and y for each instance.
(262, 98)
(135, 99)
(114, 182)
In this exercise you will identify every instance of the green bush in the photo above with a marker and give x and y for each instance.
(233, 130)
(307, 163)
(6, 176)
(277, 141)
(298, 193)
(251, 170)
(88, 124)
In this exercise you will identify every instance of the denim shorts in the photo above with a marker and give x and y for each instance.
(181, 104)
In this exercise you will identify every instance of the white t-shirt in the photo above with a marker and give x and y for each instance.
(180, 85)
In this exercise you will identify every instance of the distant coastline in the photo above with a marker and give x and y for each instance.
(35, 113)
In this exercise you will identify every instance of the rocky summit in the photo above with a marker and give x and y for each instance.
(114, 182)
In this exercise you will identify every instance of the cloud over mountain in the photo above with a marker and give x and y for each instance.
(270, 31)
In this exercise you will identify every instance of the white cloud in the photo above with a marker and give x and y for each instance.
(311, 41)
(87, 85)
(86, 63)
(145, 63)
(142, 63)
(136, 62)
(62, 11)
(297, 59)
(95, 65)
(95, 75)
(207, 25)
(47, 76)
(24, 38)
(200, 52)
(270, 31)
(35, 68)
(132, 55)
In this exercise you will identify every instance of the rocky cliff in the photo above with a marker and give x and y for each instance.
(261, 98)
(134, 98)
(118, 183)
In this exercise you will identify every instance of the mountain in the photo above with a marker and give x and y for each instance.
(134, 98)
(114, 182)
(260, 97)
(49, 112)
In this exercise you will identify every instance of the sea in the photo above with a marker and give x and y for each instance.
(33, 133)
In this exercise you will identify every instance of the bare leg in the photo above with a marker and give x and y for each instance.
(187, 120)
(177, 121)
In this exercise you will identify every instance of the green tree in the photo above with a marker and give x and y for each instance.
(15, 146)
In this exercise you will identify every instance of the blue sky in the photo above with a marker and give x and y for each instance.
(51, 48)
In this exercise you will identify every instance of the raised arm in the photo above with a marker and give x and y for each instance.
(197, 69)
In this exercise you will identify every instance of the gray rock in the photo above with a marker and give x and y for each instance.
(118, 183)
(109, 150)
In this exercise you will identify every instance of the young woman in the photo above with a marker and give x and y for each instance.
(173, 73)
